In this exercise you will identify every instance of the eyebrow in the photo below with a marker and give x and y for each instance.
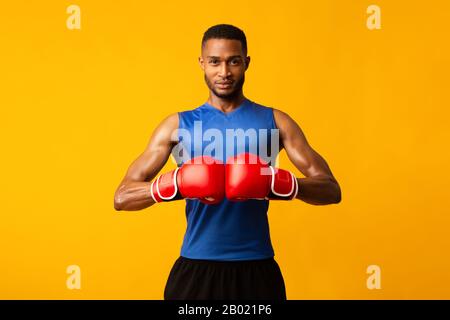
(232, 57)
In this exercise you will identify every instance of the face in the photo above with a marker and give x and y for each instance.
(224, 64)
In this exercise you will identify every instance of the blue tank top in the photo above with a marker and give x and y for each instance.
(227, 231)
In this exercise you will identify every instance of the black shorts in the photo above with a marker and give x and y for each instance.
(192, 279)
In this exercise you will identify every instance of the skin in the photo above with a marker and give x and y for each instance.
(224, 60)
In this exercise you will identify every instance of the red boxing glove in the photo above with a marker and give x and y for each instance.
(200, 178)
(248, 177)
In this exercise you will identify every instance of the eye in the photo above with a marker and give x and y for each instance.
(235, 61)
(214, 61)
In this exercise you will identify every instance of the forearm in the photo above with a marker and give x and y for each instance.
(318, 190)
(132, 196)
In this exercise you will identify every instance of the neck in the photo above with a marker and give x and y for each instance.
(226, 105)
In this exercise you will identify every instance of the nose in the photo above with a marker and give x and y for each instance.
(224, 70)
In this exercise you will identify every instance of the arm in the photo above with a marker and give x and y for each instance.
(319, 186)
(133, 192)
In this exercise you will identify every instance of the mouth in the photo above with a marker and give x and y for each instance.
(224, 85)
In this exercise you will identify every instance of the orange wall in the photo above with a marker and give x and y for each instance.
(77, 106)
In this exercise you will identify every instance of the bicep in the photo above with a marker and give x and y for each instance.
(300, 153)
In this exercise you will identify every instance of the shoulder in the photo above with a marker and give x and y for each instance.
(280, 114)
(281, 117)
(193, 112)
(262, 110)
(288, 127)
(172, 118)
(259, 106)
(170, 122)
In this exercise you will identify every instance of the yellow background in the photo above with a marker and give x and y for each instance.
(77, 106)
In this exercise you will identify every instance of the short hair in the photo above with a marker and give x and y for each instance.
(225, 31)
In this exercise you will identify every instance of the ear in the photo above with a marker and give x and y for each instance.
(247, 62)
(201, 62)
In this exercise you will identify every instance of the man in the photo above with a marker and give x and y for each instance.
(226, 252)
